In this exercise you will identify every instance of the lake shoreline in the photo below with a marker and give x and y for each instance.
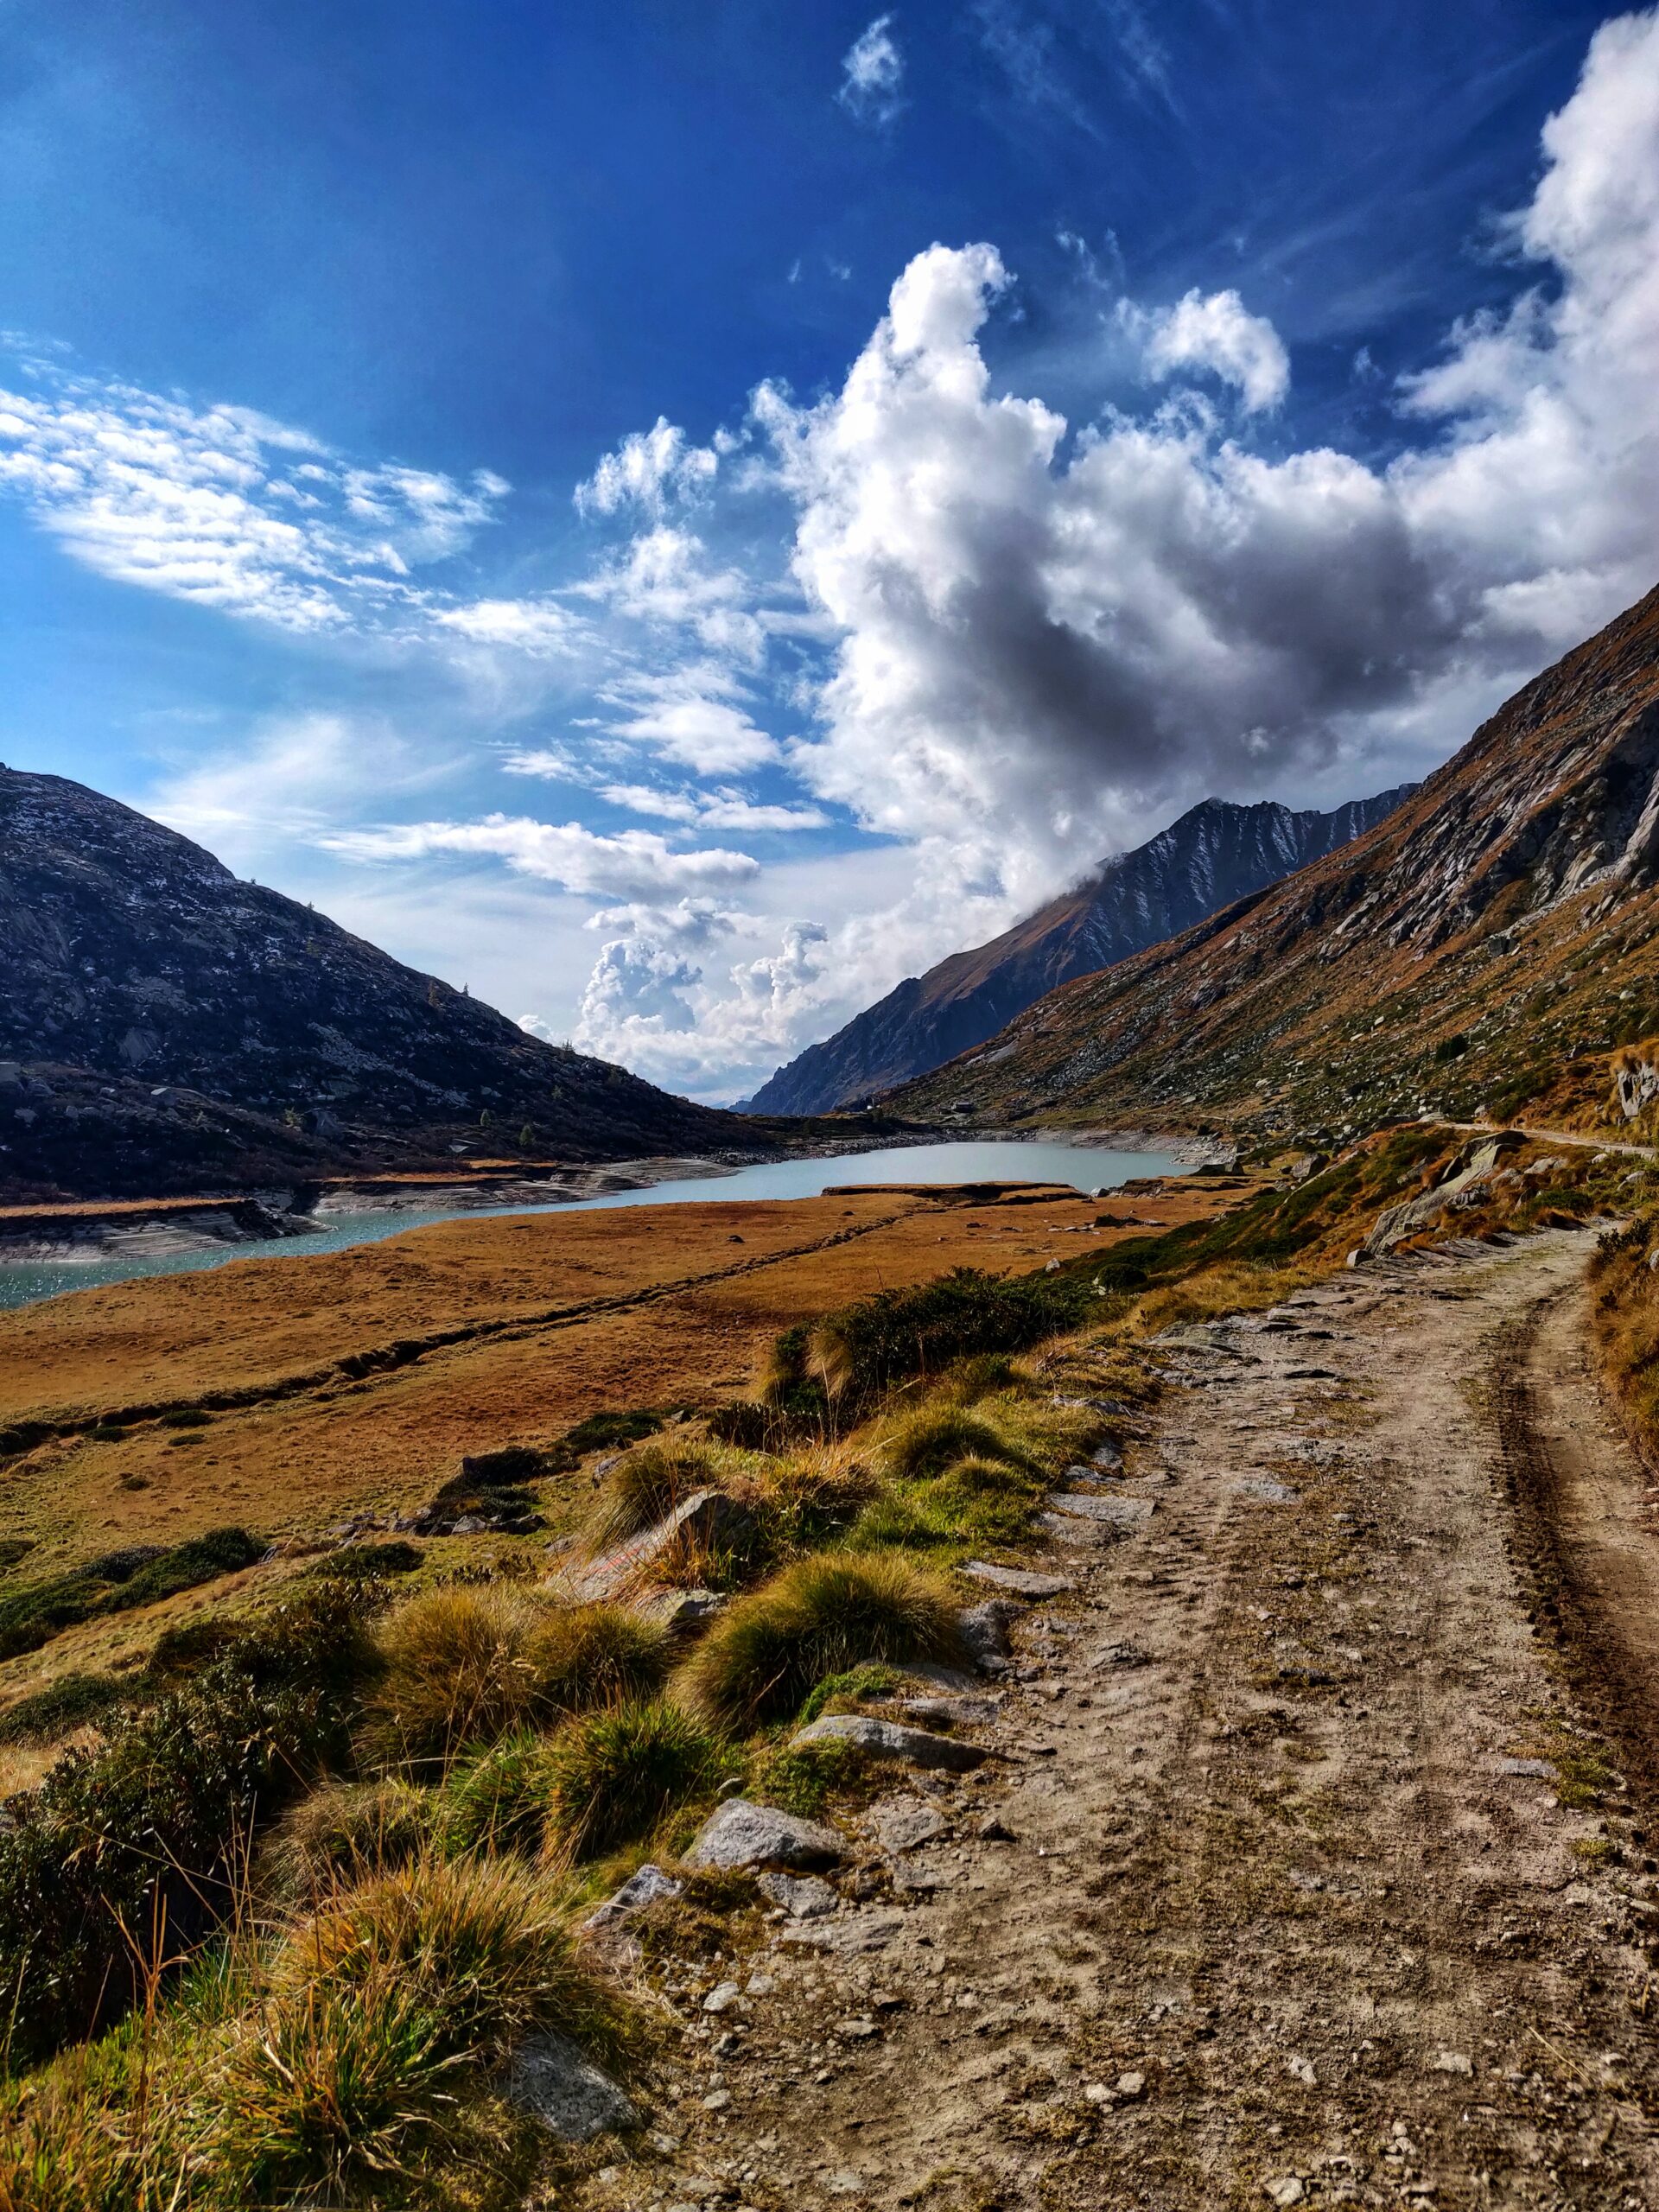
(90, 1231)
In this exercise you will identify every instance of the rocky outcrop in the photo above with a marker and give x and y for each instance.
(1217, 852)
(1635, 1079)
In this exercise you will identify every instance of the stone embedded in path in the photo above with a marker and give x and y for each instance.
(904, 1823)
(1264, 1487)
(636, 1893)
(1120, 1512)
(742, 1834)
(948, 1711)
(985, 1631)
(803, 1896)
(848, 1935)
(885, 1739)
(547, 2075)
(1020, 1580)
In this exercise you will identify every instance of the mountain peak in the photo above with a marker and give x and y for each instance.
(1218, 851)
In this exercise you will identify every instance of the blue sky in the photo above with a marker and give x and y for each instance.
(678, 517)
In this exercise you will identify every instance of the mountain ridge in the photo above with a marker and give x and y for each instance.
(1489, 945)
(1218, 851)
(164, 1024)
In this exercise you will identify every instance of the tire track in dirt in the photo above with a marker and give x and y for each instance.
(1320, 1890)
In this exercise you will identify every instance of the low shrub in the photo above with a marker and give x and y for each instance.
(454, 1673)
(824, 1615)
(32, 1613)
(497, 1801)
(368, 1562)
(583, 1656)
(150, 1830)
(863, 1349)
(62, 1707)
(599, 1432)
(926, 1441)
(611, 1775)
(645, 1484)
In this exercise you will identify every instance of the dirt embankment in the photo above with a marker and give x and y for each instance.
(1306, 1872)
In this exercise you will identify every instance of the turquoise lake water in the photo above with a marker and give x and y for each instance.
(980, 1160)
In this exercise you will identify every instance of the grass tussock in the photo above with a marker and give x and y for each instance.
(613, 1776)
(345, 1831)
(928, 1440)
(498, 1800)
(455, 1672)
(824, 1615)
(583, 1656)
(644, 1487)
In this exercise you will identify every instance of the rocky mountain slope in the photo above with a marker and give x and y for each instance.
(165, 1027)
(1217, 852)
(1486, 948)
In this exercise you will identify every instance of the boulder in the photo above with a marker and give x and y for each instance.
(885, 1739)
(636, 1893)
(739, 1833)
(547, 2075)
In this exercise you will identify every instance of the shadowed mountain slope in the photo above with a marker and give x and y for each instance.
(1215, 853)
(166, 1026)
(1484, 947)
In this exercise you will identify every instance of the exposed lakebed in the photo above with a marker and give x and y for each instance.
(1084, 1166)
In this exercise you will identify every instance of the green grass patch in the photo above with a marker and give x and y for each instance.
(824, 1615)
(62, 1707)
(31, 1614)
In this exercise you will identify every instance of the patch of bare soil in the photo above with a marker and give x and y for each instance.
(1318, 1884)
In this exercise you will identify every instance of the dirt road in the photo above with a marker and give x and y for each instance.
(1322, 1884)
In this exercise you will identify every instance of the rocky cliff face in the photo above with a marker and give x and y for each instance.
(166, 1026)
(1487, 946)
(1215, 853)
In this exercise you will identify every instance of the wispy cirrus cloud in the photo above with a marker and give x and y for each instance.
(225, 508)
(873, 74)
(634, 864)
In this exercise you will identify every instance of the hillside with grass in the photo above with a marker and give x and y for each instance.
(1490, 950)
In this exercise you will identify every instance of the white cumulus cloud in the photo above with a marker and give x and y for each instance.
(1219, 334)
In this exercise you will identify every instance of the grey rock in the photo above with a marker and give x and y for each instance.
(1106, 1455)
(707, 1517)
(885, 1739)
(1117, 1512)
(951, 1711)
(739, 1833)
(904, 1823)
(1543, 1769)
(549, 2077)
(1264, 1487)
(636, 1893)
(847, 1935)
(1020, 1580)
(985, 1630)
(722, 1996)
(682, 1611)
(803, 1897)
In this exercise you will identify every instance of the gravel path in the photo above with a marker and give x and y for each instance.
(1319, 1885)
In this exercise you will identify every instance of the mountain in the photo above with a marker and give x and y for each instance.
(165, 1027)
(1217, 853)
(1484, 949)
